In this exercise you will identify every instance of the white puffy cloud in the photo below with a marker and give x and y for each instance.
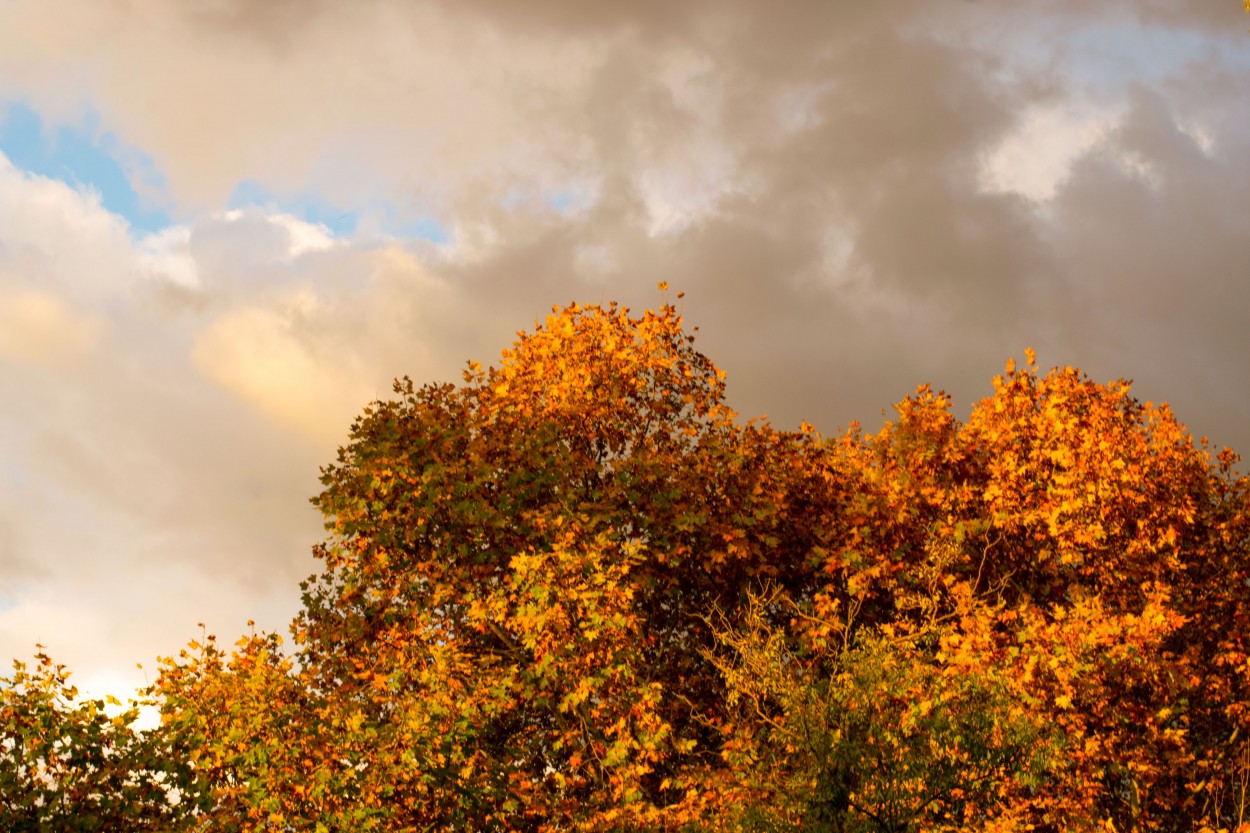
(57, 235)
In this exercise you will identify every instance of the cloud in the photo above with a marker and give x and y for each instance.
(343, 83)
(140, 495)
(36, 211)
(268, 357)
(856, 198)
(39, 327)
(1155, 247)
(1037, 156)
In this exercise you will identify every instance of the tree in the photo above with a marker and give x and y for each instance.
(1068, 551)
(68, 765)
(888, 734)
(510, 609)
(575, 592)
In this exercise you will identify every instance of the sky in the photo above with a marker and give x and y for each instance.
(226, 226)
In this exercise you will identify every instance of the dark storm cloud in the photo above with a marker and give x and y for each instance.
(881, 160)
(1155, 243)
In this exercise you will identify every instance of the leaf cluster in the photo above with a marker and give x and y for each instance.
(575, 592)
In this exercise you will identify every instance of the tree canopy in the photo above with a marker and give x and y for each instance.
(576, 592)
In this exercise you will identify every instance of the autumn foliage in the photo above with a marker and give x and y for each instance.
(575, 592)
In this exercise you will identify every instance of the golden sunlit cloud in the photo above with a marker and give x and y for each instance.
(266, 356)
(40, 328)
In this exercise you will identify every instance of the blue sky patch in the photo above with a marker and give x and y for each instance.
(409, 227)
(250, 193)
(83, 156)
(562, 201)
(341, 221)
